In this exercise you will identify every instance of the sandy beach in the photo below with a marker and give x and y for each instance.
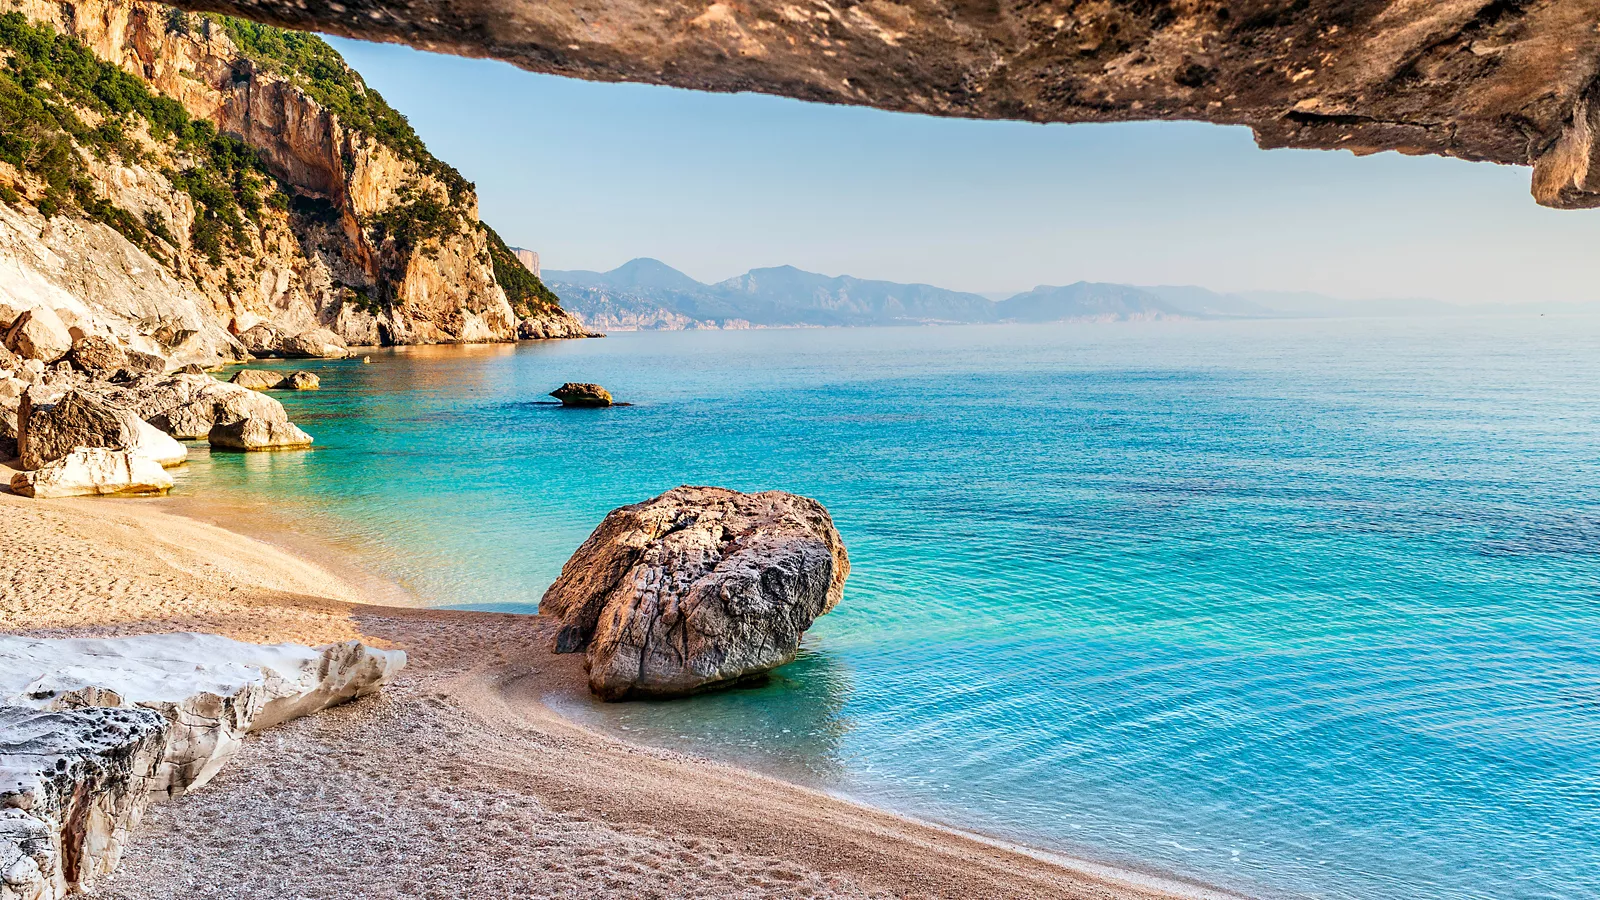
(458, 781)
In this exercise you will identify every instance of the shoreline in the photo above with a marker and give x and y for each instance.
(494, 668)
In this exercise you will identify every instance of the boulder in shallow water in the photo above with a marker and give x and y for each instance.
(575, 393)
(157, 446)
(697, 588)
(267, 380)
(318, 343)
(93, 471)
(258, 434)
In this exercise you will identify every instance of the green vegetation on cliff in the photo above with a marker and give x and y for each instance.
(528, 294)
(322, 73)
(48, 79)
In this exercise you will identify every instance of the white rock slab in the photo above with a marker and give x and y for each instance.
(90, 471)
(213, 690)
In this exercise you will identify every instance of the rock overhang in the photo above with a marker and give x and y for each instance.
(1504, 81)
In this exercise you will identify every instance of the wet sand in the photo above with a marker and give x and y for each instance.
(458, 781)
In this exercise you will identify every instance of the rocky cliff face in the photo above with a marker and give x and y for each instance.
(1508, 81)
(314, 205)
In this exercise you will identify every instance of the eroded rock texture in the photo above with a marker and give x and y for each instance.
(90, 729)
(211, 690)
(1509, 81)
(73, 784)
(696, 588)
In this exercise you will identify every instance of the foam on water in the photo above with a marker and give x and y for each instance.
(1293, 608)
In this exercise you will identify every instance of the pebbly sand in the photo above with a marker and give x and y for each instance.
(457, 781)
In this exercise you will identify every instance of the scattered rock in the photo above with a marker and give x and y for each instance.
(258, 434)
(52, 423)
(73, 784)
(582, 394)
(144, 363)
(190, 369)
(696, 588)
(266, 380)
(155, 445)
(39, 334)
(92, 729)
(91, 471)
(98, 355)
(261, 340)
(318, 343)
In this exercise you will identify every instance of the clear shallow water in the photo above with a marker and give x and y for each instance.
(1306, 608)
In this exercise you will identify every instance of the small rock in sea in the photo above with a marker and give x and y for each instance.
(366, 360)
(582, 394)
(696, 589)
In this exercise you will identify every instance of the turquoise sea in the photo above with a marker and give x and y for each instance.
(1296, 609)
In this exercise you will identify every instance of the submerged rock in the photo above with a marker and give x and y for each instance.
(91, 729)
(93, 471)
(696, 588)
(575, 393)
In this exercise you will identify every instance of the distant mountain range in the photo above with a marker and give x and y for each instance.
(649, 294)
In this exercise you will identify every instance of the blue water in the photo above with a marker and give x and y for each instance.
(1290, 608)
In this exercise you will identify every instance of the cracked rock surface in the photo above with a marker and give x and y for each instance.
(697, 588)
(1507, 82)
(90, 728)
(73, 784)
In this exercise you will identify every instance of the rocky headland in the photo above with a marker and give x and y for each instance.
(202, 190)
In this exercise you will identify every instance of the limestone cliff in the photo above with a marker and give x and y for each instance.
(1508, 81)
(243, 175)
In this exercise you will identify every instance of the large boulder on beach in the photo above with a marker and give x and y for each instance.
(575, 393)
(697, 588)
(91, 471)
(192, 407)
(318, 343)
(91, 729)
(39, 334)
(52, 422)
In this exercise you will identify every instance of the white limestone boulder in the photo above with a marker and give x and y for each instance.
(211, 690)
(39, 334)
(73, 785)
(159, 447)
(90, 471)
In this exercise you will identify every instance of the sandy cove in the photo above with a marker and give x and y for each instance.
(457, 781)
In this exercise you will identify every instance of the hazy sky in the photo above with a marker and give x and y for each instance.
(592, 175)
